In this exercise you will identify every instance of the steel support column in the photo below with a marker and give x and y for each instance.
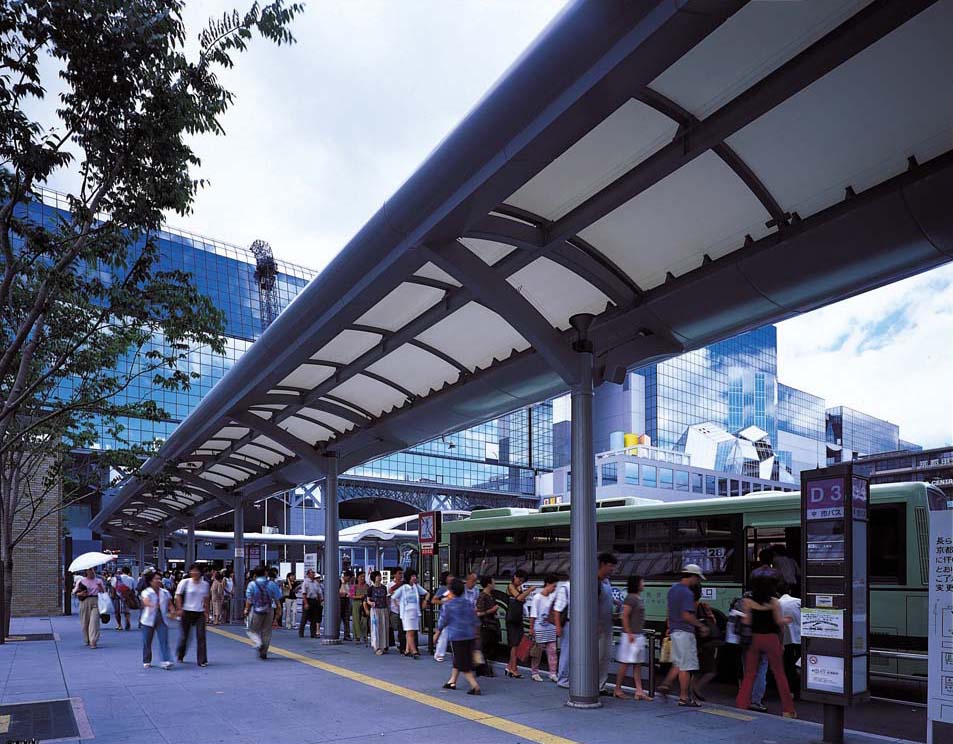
(140, 557)
(238, 564)
(190, 545)
(332, 556)
(583, 639)
(160, 551)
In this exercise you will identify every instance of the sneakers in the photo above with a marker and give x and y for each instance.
(379, 652)
(537, 678)
(167, 665)
(438, 658)
(147, 666)
(204, 664)
(758, 707)
(553, 678)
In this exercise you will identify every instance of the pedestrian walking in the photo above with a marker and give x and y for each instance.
(217, 594)
(192, 605)
(262, 605)
(707, 644)
(459, 621)
(394, 617)
(276, 615)
(344, 602)
(682, 623)
(358, 613)
(543, 627)
(763, 614)
(229, 586)
(440, 596)
(791, 608)
(516, 594)
(471, 591)
(606, 603)
(157, 612)
(788, 568)
(633, 648)
(87, 591)
(488, 613)
(289, 594)
(410, 596)
(378, 607)
(312, 603)
(561, 617)
(124, 588)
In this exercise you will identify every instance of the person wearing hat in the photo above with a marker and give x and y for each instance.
(682, 624)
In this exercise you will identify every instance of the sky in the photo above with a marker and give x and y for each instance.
(324, 131)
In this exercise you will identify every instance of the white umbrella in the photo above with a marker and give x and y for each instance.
(90, 560)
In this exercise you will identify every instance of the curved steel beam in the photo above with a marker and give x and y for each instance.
(574, 254)
(274, 432)
(687, 120)
(853, 36)
(492, 290)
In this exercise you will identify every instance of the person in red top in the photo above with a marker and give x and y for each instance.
(87, 590)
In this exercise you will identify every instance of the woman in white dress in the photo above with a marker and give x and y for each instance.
(409, 596)
(632, 644)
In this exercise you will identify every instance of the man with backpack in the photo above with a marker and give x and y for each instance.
(262, 598)
(125, 595)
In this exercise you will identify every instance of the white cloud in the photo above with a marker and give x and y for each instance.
(888, 352)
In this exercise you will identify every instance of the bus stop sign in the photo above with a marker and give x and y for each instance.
(428, 531)
(940, 671)
(834, 616)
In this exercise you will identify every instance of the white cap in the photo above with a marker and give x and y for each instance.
(693, 568)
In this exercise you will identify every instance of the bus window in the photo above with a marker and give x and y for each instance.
(681, 480)
(707, 541)
(888, 529)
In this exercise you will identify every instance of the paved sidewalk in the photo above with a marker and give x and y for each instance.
(307, 692)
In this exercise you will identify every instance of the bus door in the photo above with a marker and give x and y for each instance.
(762, 537)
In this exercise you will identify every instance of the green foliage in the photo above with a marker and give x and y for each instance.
(85, 310)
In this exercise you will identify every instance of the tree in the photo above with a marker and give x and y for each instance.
(87, 312)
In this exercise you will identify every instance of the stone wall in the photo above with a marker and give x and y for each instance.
(37, 561)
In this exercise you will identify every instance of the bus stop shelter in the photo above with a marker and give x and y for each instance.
(649, 177)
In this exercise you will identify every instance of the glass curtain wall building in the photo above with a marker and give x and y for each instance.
(801, 441)
(226, 275)
(503, 455)
(854, 433)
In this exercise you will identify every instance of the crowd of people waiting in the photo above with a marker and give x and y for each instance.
(764, 623)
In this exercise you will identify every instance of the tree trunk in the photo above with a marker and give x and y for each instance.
(7, 593)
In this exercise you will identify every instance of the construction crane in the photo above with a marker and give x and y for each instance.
(266, 272)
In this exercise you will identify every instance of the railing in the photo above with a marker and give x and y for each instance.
(899, 655)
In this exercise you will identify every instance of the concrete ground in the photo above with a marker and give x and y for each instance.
(306, 692)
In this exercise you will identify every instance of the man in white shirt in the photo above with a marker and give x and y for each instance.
(791, 607)
(312, 603)
(471, 591)
(561, 608)
(192, 601)
(394, 610)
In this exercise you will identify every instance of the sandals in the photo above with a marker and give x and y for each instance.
(514, 675)
(474, 691)
(621, 695)
(644, 696)
(449, 686)
(689, 704)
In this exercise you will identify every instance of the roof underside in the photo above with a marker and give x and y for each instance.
(682, 171)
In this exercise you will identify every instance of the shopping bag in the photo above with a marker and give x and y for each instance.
(522, 651)
(665, 657)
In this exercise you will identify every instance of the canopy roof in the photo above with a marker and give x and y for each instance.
(684, 171)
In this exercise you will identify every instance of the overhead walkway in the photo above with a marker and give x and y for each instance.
(648, 178)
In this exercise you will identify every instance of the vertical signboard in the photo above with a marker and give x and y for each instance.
(428, 531)
(940, 703)
(834, 618)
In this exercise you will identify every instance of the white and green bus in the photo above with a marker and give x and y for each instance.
(724, 536)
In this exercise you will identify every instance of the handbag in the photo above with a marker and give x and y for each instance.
(665, 656)
(522, 650)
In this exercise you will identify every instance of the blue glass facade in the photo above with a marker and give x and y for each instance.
(861, 433)
(502, 455)
(226, 274)
(732, 383)
(801, 413)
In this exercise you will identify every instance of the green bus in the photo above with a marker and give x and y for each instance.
(724, 536)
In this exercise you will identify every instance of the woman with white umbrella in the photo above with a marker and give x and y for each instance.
(87, 590)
